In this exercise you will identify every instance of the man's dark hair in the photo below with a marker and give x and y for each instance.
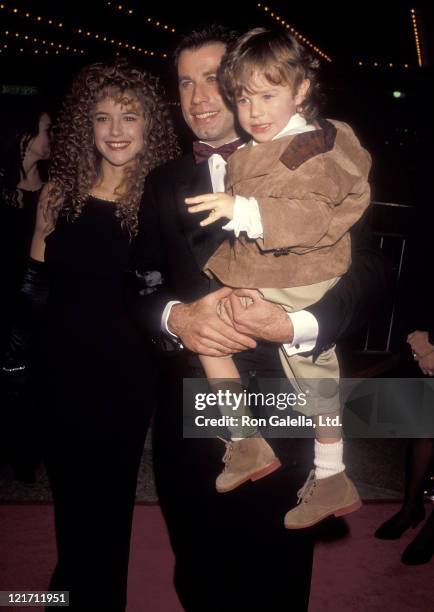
(214, 33)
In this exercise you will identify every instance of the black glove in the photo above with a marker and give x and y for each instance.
(28, 318)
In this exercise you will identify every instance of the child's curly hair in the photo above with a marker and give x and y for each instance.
(278, 57)
(76, 161)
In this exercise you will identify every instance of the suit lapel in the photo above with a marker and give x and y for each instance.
(202, 241)
(194, 180)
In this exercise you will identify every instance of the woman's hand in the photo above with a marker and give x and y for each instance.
(418, 340)
(220, 205)
(426, 364)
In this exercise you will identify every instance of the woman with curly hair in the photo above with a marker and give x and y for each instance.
(97, 377)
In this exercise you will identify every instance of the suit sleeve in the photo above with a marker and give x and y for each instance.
(351, 302)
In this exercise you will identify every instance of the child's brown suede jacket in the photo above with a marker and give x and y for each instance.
(311, 188)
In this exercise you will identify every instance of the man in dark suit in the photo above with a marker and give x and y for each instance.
(232, 551)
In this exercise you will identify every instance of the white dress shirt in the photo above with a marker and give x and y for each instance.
(247, 218)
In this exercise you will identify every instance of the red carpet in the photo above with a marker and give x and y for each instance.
(362, 574)
(354, 574)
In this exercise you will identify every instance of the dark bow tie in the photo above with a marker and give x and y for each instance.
(203, 151)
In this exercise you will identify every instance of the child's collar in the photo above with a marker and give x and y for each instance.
(296, 125)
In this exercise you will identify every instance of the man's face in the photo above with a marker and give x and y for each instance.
(202, 106)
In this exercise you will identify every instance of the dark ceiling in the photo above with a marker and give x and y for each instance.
(347, 32)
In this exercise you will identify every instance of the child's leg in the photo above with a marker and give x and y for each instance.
(328, 438)
(219, 367)
(248, 456)
(328, 448)
(328, 491)
(223, 375)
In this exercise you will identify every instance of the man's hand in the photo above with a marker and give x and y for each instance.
(201, 330)
(221, 206)
(260, 319)
(418, 340)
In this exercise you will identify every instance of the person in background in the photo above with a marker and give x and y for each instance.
(24, 153)
(417, 309)
(24, 148)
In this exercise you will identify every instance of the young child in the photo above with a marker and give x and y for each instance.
(294, 191)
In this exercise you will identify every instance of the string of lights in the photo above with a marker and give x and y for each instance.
(95, 36)
(22, 42)
(416, 37)
(273, 15)
(7, 50)
(28, 37)
(121, 8)
(383, 64)
(107, 39)
(28, 15)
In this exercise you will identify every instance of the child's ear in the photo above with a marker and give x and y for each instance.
(302, 91)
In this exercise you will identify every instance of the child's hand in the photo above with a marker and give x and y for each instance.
(221, 206)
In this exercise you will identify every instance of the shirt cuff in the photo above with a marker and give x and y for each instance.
(305, 333)
(165, 316)
(247, 218)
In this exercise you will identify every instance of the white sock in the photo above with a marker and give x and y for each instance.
(328, 459)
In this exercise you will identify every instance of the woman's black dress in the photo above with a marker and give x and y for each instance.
(97, 382)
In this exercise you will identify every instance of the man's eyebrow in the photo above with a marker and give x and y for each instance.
(205, 74)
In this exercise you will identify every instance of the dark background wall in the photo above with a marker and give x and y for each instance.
(397, 130)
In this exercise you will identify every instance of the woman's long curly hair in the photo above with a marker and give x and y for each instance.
(76, 161)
